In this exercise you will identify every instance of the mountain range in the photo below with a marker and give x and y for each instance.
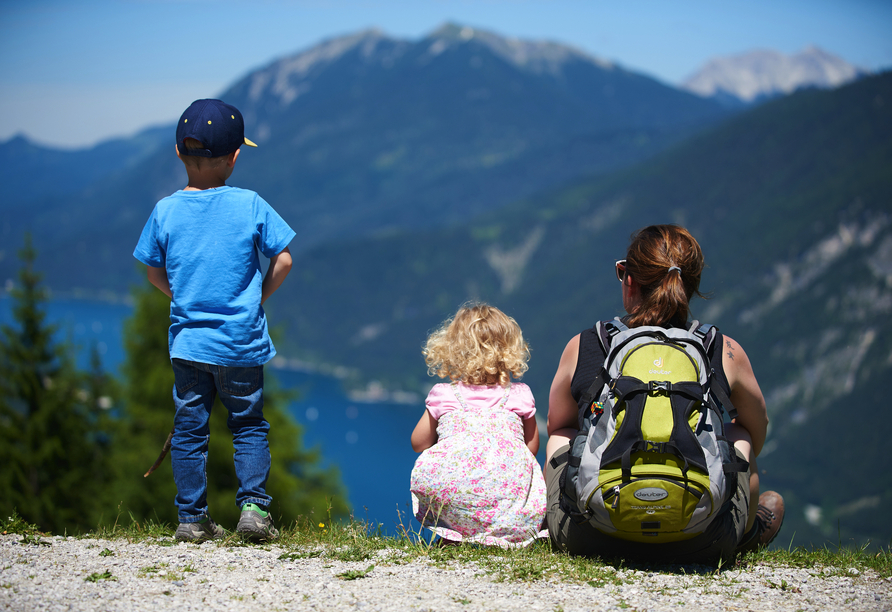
(464, 165)
(763, 74)
(364, 133)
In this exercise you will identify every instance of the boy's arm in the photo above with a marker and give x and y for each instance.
(279, 267)
(158, 277)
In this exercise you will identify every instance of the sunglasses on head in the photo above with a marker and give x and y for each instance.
(621, 270)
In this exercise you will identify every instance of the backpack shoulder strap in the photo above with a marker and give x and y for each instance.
(614, 327)
(707, 334)
(723, 398)
(605, 331)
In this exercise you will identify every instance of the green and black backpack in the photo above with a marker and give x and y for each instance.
(650, 462)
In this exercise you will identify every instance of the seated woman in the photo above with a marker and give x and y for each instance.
(660, 274)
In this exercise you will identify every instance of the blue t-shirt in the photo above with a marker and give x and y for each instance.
(207, 241)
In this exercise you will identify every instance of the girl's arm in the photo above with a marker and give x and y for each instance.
(531, 434)
(425, 434)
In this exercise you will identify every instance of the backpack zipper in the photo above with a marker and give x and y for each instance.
(678, 346)
(614, 492)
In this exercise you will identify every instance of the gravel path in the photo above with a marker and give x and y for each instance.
(87, 574)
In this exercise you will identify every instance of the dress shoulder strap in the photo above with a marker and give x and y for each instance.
(461, 399)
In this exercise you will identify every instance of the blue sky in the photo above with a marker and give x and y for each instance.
(78, 71)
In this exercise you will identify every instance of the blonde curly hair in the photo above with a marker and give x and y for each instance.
(480, 345)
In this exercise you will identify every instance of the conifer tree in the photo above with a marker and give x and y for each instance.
(52, 457)
(297, 484)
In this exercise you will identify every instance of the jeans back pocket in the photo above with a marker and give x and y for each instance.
(241, 382)
(185, 375)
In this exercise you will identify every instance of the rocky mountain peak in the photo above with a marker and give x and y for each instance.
(274, 88)
(766, 73)
(284, 77)
(535, 56)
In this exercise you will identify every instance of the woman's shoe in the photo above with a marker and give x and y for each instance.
(769, 518)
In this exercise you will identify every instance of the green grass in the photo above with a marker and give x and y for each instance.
(96, 576)
(356, 574)
(35, 539)
(16, 524)
(832, 561)
(356, 541)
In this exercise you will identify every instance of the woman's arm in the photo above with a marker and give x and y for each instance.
(531, 434)
(562, 408)
(425, 434)
(746, 395)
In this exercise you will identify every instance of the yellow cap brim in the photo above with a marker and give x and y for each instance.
(249, 143)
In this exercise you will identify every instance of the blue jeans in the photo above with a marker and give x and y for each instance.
(241, 392)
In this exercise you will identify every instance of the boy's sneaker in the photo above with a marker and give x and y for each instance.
(256, 524)
(199, 532)
(769, 518)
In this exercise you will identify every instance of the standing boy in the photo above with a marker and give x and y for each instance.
(201, 248)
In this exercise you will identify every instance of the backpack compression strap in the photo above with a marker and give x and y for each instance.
(684, 398)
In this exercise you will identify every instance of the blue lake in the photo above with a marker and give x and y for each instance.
(369, 442)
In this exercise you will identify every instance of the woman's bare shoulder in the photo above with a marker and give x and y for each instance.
(736, 362)
(572, 347)
(732, 351)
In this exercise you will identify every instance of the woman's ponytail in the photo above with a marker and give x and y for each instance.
(666, 262)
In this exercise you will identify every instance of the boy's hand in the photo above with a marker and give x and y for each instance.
(279, 267)
(158, 277)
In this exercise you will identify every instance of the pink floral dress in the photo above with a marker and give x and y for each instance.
(480, 483)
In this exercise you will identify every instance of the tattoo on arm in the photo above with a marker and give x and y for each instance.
(730, 349)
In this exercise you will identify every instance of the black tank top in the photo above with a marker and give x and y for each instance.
(591, 360)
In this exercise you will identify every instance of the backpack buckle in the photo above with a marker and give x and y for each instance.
(654, 447)
(658, 387)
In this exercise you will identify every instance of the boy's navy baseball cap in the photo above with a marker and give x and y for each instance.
(217, 125)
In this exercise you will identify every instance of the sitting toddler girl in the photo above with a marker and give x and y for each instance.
(478, 479)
